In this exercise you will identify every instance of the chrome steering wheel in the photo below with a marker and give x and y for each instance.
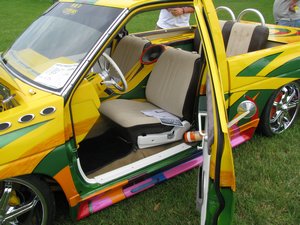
(111, 73)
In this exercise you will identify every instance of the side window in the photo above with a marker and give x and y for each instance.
(142, 22)
(174, 17)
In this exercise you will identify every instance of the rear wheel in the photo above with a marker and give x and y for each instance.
(281, 110)
(26, 200)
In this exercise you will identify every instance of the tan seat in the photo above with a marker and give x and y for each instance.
(225, 26)
(171, 86)
(246, 38)
(128, 52)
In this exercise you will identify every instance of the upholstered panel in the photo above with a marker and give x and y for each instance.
(245, 38)
(128, 52)
(226, 27)
(259, 38)
(169, 81)
(189, 103)
(197, 40)
(239, 39)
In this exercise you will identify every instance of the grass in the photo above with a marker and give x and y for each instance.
(267, 169)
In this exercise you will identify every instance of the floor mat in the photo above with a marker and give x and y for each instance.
(98, 152)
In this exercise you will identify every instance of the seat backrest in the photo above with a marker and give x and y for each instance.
(197, 40)
(225, 26)
(173, 82)
(246, 38)
(128, 52)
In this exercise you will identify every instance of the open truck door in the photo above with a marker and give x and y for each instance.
(216, 184)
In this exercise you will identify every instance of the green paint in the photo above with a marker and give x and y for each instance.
(261, 100)
(226, 216)
(279, 31)
(138, 92)
(285, 32)
(74, 212)
(290, 69)
(187, 45)
(202, 105)
(227, 96)
(54, 162)
(6, 139)
(257, 66)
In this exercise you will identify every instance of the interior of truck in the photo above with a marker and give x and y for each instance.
(150, 83)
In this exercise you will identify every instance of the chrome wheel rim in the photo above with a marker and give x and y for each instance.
(285, 108)
(21, 203)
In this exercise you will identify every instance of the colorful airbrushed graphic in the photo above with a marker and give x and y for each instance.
(82, 112)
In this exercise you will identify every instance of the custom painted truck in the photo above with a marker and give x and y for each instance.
(101, 108)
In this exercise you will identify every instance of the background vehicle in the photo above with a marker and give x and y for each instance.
(80, 134)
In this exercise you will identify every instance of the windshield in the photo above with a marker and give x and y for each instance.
(49, 51)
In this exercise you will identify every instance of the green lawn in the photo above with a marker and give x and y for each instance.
(267, 169)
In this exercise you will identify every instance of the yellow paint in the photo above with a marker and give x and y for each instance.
(21, 166)
(218, 69)
(85, 105)
(8, 80)
(259, 81)
(37, 62)
(122, 4)
(42, 138)
(290, 37)
(14, 200)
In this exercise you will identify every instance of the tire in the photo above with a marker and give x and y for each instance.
(281, 110)
(26, 200)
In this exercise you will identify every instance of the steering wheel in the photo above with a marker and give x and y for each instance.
(111, 73)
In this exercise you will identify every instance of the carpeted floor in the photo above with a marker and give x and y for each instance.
(98, 152)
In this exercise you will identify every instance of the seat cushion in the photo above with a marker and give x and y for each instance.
(132, 122)
(129, 112)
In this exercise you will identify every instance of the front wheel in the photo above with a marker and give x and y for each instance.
(281, 110)
(26, 200)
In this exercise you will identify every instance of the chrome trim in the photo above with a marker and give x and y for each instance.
(247, 106)
(285, 107)
(43, 113)
(225, 8)
(255, 11)
(5, 128)
(32, 116)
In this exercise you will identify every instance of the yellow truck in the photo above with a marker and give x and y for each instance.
(102, 110)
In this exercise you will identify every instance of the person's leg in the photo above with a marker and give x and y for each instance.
(296, 23)
(285, 23)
